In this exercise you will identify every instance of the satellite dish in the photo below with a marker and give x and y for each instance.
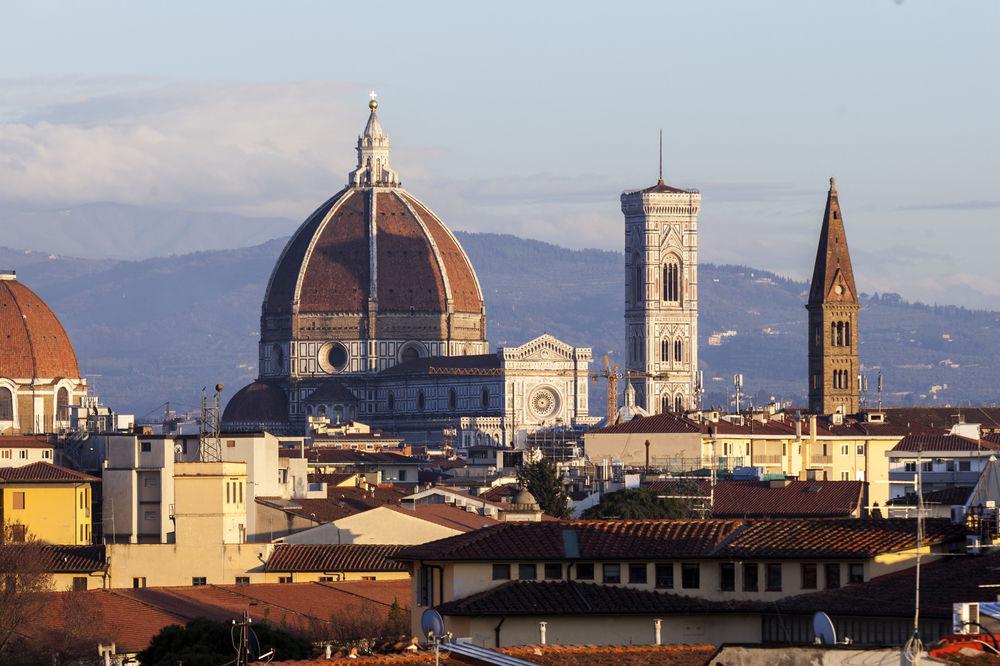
(823, 628)
(431, 622)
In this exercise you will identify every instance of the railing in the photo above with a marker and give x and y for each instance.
(821, 460)
(767, 460)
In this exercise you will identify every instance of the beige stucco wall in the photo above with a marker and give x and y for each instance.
(314, 576)
(375, 526)
(178, 563)
(631, 447)
(608, 630)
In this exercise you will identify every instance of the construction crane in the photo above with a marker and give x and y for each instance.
(612, 374)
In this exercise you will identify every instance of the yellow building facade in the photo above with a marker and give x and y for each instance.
(47, 502)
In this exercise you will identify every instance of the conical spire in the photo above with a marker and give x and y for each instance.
(373, 154)
(833, 276)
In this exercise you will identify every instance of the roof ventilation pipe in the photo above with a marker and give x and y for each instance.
(541, 631)
(657, 628)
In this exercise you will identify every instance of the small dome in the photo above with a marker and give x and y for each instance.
(525, 497)
(33, 344)
(257, 406)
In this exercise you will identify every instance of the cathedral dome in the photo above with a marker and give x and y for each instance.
(373, 244)
(33, 344)
(257, 406)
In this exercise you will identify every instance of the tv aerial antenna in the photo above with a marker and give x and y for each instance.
(210, 431)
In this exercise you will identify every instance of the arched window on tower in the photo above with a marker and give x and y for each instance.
(817, 335)
(679, 403)
(840, 334)
(664, 404)
(62, 404)
(678, 350)
(486, 397)
(833, 333)
(6, 404)
(421, 400)
(847, 333)
(638, 282)
(672, 281)
(452, 399)
(665, 350)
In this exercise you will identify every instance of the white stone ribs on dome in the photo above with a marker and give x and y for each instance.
(447, 230)
(449, 301)
(312, 245)
(288, 246)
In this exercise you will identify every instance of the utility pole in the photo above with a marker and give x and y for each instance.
(242, 643)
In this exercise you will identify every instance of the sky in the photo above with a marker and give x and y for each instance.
(531, 118)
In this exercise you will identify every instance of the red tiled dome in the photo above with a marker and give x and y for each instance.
(326, 266)
(259, 405)
(32, 341)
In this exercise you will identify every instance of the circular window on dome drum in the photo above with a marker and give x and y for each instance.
(333, 357)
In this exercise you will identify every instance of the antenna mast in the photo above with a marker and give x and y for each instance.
(210, 444)
(661, 155)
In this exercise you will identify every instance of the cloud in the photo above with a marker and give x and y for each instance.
(262, 149)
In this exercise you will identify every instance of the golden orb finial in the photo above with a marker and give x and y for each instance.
(373, 104)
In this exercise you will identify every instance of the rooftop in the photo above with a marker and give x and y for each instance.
(334, 456)
(668, 539)
(43, 472)
(758, 499)
(333, 557)
(61, 559)
(25, 442)
(929, 443)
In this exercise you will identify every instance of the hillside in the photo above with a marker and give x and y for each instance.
(159, 329)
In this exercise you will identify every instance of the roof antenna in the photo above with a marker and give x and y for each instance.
(661, 157)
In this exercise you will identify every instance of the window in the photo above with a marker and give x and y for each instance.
(727, 576)
(910, 466)
(141, 582)
(585, 571)
(817, 337)
(46, 453)
(861, 449)
(831, 572)
(62, 404)
(18, 500)
(845, 476)
(927, 467)
(690, 575)
(678, 350)
(750, 577)
(964, 465)
(277, 358)
(679, 403)
(665, 404)
(229, 493)
(637, 279)
(553, 571)
(327, 579)
(198, 580)
(808, 575)
(240, 486)
(22, 454)
(845, 450)
(145, 447)
(245, 580)
(527, 571)
(421, 400)
(486, 397)
(79, 583)
(452, 399)
(612, 573)
(368, 578)
(425, 586)
(855, 572)
(672, 281)
(501, 571)
(5, 453)
(847, 334)
(337, 357)
(391, 401)
(637, 573)
(949, 465)
(284, 579)
(773, 576)
(6, 404)
(411, 353)
(665, 350)
(665, 575)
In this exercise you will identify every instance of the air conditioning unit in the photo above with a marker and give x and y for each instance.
(965, 618)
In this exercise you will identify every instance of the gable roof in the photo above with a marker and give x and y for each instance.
(670, 539)
(340, 502)
(758, 499)
(930, 442)
(25, 442)
(55, 558)
(446, 515)
(43, 472)
(292, 557)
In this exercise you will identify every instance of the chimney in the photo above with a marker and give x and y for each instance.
(657, 626)
(541, 631)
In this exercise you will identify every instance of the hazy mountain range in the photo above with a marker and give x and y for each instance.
(153, 330)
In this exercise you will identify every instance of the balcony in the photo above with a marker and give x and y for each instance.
(821, 460)
(767, 460)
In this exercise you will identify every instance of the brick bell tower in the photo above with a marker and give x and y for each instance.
(833, 319)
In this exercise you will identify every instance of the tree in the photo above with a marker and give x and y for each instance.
(208, 642)
(25, 580)
(541, 479)
(640, 503)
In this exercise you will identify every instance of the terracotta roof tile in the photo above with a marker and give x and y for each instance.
(925, 442)
(43, 472)
(25, 442)
(671, 539)
(795, 499)
(34, 343)
(466, 365)
(66, 559)
(333, 557)
(447, 515)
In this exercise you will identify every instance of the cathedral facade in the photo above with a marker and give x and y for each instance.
(661, 296)
(374, 312)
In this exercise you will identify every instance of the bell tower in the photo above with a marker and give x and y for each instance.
(833, 319)
(661, 294)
